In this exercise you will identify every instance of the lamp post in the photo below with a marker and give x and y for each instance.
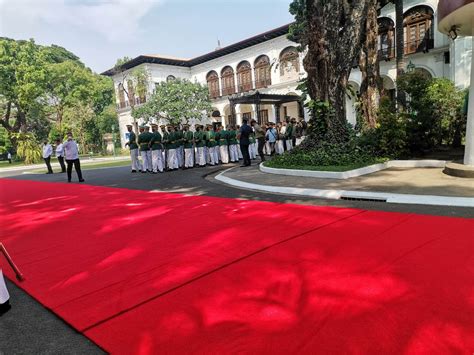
(456, 18)
(411, 67)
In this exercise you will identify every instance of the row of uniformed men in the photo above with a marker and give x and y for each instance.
(174, 148)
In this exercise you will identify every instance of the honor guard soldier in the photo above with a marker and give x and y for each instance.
(224, 145)
(188, 139)
(233, 144)
(200, 142)
(132, 144)
(143, 141)
(165, 140)
(179, 146)
(212, 146)
(172, 148)
(156, 150)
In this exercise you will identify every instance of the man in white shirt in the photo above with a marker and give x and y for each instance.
(60, 154)
(47, 152)
(71, 152)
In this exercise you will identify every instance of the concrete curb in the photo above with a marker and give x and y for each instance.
(356, 172)
(347, 194)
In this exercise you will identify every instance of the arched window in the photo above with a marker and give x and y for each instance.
(131, 92)
(228, 82)
(262, 72)
(418, 29)
(170, 78)
(386, 38)
(244, 76)
(213, 84)
(121, 96)
(289, 61)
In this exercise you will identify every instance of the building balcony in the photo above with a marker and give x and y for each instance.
(124, 105)
(419, 46)
(386, 54)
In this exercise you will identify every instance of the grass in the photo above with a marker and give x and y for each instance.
(109, 164)
(336, 168)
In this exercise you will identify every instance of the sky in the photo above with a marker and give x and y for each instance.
(100, 31)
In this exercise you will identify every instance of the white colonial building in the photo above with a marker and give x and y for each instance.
(258, 77)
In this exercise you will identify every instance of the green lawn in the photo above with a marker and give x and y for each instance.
(336, 168)
(5, 164)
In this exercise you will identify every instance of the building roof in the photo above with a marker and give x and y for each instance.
(157, 59)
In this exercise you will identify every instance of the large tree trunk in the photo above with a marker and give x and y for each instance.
(370, 69)
(335, 30)
(400, 48)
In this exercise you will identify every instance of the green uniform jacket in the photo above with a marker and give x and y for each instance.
(199, 139)
(132, 141)
(223, 137)
(233, 137)
(174, 138)
(188, 139)
(143, 140)
(165, 139)
(211, 139)
(252, 138)
(180, 139)
(156, 141)
(289, 131)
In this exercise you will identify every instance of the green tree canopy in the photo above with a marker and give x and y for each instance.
(177, 101)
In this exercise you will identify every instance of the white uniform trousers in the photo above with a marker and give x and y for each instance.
(289, 144)
(224, 153)
(157, 160)
(214, 155)
(268, 149)
(189, 157)
(252, 151)
(149, 159)
(4, 296)
(239, 152)
(180, 155)
(172, 159)
(201, 156)
(279, 147)
(135, 161)
(145, 163)
(298, 141)
(234, 155)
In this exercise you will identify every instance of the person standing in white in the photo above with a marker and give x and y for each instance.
(4, 296)
(132, 144)
(47, 152)
(60, 154)
(71, 152)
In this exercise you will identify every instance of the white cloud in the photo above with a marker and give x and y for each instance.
(116, 20)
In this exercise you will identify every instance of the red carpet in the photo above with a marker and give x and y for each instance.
(144, 272)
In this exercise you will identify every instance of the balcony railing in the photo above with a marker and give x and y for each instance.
(386, 53)
(421, 45)
(259, 84)
(125, 104)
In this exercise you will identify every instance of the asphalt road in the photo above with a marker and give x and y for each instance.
(31, 329)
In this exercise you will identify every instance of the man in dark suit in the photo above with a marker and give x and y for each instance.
(243, 136)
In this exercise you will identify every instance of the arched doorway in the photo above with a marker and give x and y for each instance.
(386, 38)
(213, 84)
(228, 82)
(262, 72)
(418, 26)
(244, 76)
(351, 102)
(289, 63)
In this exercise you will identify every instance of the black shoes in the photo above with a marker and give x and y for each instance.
(4, 308)
(82, 180)
(134, 171)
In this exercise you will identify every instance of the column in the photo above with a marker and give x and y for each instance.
(469, 150)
